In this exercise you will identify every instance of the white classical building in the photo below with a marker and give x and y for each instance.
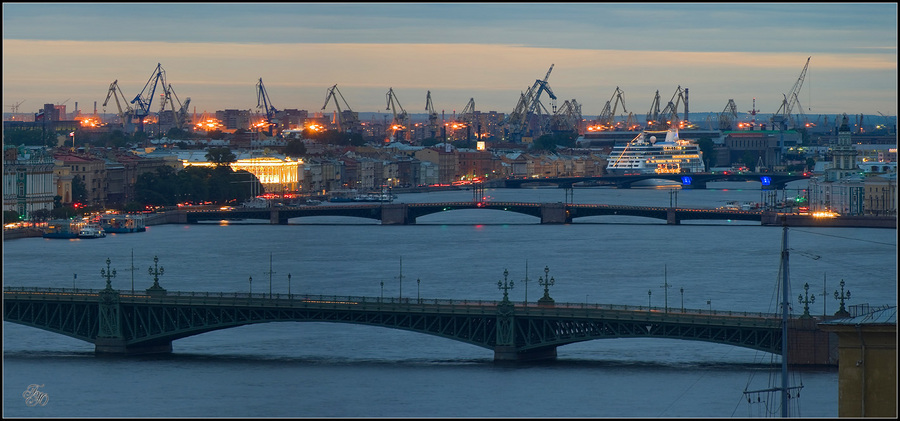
(28, 181)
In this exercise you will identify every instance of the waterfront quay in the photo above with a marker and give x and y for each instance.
(129, 322)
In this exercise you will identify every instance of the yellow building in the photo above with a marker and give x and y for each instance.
(277, 175)
(867, 363)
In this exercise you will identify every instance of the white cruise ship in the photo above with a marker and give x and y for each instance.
(645, 155)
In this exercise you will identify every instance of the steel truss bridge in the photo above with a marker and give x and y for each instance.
(125, 322)
(776, 181)
(407, 213)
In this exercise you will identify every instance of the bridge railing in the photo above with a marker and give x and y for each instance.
(409, 303)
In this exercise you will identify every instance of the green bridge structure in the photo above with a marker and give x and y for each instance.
(127, 322)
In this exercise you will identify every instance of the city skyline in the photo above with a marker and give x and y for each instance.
(216, 53)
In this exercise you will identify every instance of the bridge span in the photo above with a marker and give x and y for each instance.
(122, 322)
(777, 181)
(407, 213)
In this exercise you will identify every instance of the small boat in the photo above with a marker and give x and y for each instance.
(118, 224)
(91, 231)
(62, 228)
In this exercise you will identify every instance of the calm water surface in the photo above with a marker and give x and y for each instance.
(335, 370)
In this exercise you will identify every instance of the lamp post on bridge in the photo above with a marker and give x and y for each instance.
(806, 302)
(382, 290)
(108, 274)
(505, 286)
(649, 295)
(251, 286)
(546, 281)
(156, 271)
(289, 285)
(682, 299)
(418, 297)
(842, 312)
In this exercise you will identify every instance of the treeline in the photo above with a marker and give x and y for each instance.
(219, 185)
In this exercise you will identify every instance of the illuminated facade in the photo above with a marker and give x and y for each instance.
(28, 183)
(275, 174)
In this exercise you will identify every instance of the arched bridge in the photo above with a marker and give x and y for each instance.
(775, 181)
(407, 213)
(119, 321)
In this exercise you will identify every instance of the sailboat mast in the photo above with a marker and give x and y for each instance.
(784, 323)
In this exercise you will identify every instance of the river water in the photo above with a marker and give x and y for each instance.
(341, 370)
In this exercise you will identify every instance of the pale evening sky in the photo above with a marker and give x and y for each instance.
(215, 54)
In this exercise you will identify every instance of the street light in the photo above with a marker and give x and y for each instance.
(382, 291)
(418, 298)
(682, 299)
(649, 294)
(108, 274)
(251, 285)
(289, 285)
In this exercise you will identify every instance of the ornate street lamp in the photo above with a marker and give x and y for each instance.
(108, 274)
(806, 302)
(505, 286)
(842, 297)
(156, 271)
(546, 281)
(289, 285)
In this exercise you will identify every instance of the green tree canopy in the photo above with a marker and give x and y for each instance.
(220, 156)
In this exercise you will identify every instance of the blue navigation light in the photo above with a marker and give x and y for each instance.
(686, 180)
(766, 180)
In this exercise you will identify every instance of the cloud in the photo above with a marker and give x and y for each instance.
(224, 75)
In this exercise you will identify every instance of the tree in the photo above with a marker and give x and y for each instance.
(707, 147)
(40, 215)
(10, 216)
(220, 156)
(295, 148)
(79, 190)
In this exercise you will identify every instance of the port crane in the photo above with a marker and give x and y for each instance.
(346, 119)
(727, 116)
(529, 104)
(143, 100)
(432, 116)
(15, 108)
(116, 92)
(263, 101)
(608, 114)
(668, 117)
(401, 119)
(653, 114)
(782, 117)
(180, 114)
(467, 117)
(567, 118)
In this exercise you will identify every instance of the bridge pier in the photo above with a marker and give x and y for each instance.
(395, 215)
(555, 213)
(118, 346)
(510, 353)
(671, 217)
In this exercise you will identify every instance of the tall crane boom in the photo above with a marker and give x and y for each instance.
(116, 92)
(401, 119)
(529, 103)
(608, 114)
(432, 115)
(782, 117)
(727, 116)
(179, 113)
(144, 99)
(263, 102)
(346, 119)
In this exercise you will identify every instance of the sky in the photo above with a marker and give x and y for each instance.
(216, 53)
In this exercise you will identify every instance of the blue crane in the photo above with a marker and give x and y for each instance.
(145, 98)
(263, 101)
